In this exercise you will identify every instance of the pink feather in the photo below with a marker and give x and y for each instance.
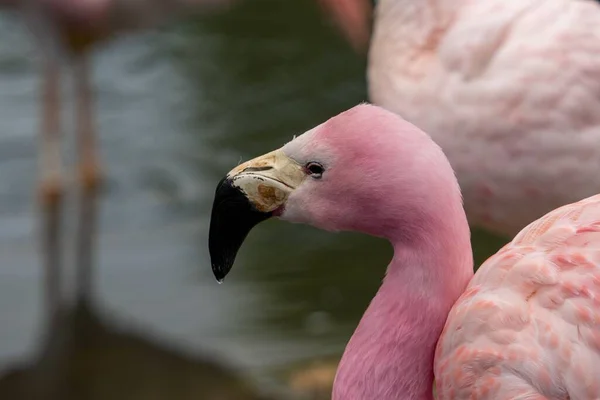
(510, 89)
(526, 326)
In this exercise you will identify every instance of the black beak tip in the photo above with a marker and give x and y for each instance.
(232, 218)
(219, 273)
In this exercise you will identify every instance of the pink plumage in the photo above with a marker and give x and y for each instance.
(510, 89)
(526, 326)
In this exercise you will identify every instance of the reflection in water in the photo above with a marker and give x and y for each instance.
(100, 361)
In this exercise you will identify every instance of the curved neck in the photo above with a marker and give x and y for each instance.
(390, 356)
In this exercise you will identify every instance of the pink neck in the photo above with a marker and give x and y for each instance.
(391, 354)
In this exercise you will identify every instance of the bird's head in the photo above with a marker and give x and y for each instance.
(365, 170)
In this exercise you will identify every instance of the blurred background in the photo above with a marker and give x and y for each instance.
(177, 107)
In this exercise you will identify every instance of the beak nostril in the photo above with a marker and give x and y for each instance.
(256, 169)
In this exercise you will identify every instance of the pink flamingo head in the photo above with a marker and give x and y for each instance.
(377, 175)
(370, 171)
(365, 170)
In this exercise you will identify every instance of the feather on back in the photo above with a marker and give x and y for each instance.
(528, 324)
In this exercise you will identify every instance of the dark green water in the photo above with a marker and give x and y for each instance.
(177, 109)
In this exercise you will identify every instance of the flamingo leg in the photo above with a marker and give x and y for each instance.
(89, 177)
(51, 186)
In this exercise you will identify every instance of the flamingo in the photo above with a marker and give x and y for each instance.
(66, 32)
(525, 326)
(505, 87)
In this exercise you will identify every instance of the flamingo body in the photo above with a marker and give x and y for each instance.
(525, 326)
(509, 89)
(528, 325)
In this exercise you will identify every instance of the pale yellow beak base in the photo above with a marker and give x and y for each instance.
(251, 193)
(268, 180)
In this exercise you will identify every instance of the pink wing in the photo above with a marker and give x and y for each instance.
(510, 91)
(528, 325)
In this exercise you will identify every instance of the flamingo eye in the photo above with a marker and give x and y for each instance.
(314, 169)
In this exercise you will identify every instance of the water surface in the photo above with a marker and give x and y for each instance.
(177, 109)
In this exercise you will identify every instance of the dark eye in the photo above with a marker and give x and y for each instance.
(315, 169)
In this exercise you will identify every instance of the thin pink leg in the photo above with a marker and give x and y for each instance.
(89, 178)
(50, 366)
(52, 358)
(51, 186)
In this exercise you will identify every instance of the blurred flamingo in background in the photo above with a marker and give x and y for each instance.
(509, 89)
(66, 31)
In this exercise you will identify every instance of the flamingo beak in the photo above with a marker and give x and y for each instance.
(250, 193)
(353, 18)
